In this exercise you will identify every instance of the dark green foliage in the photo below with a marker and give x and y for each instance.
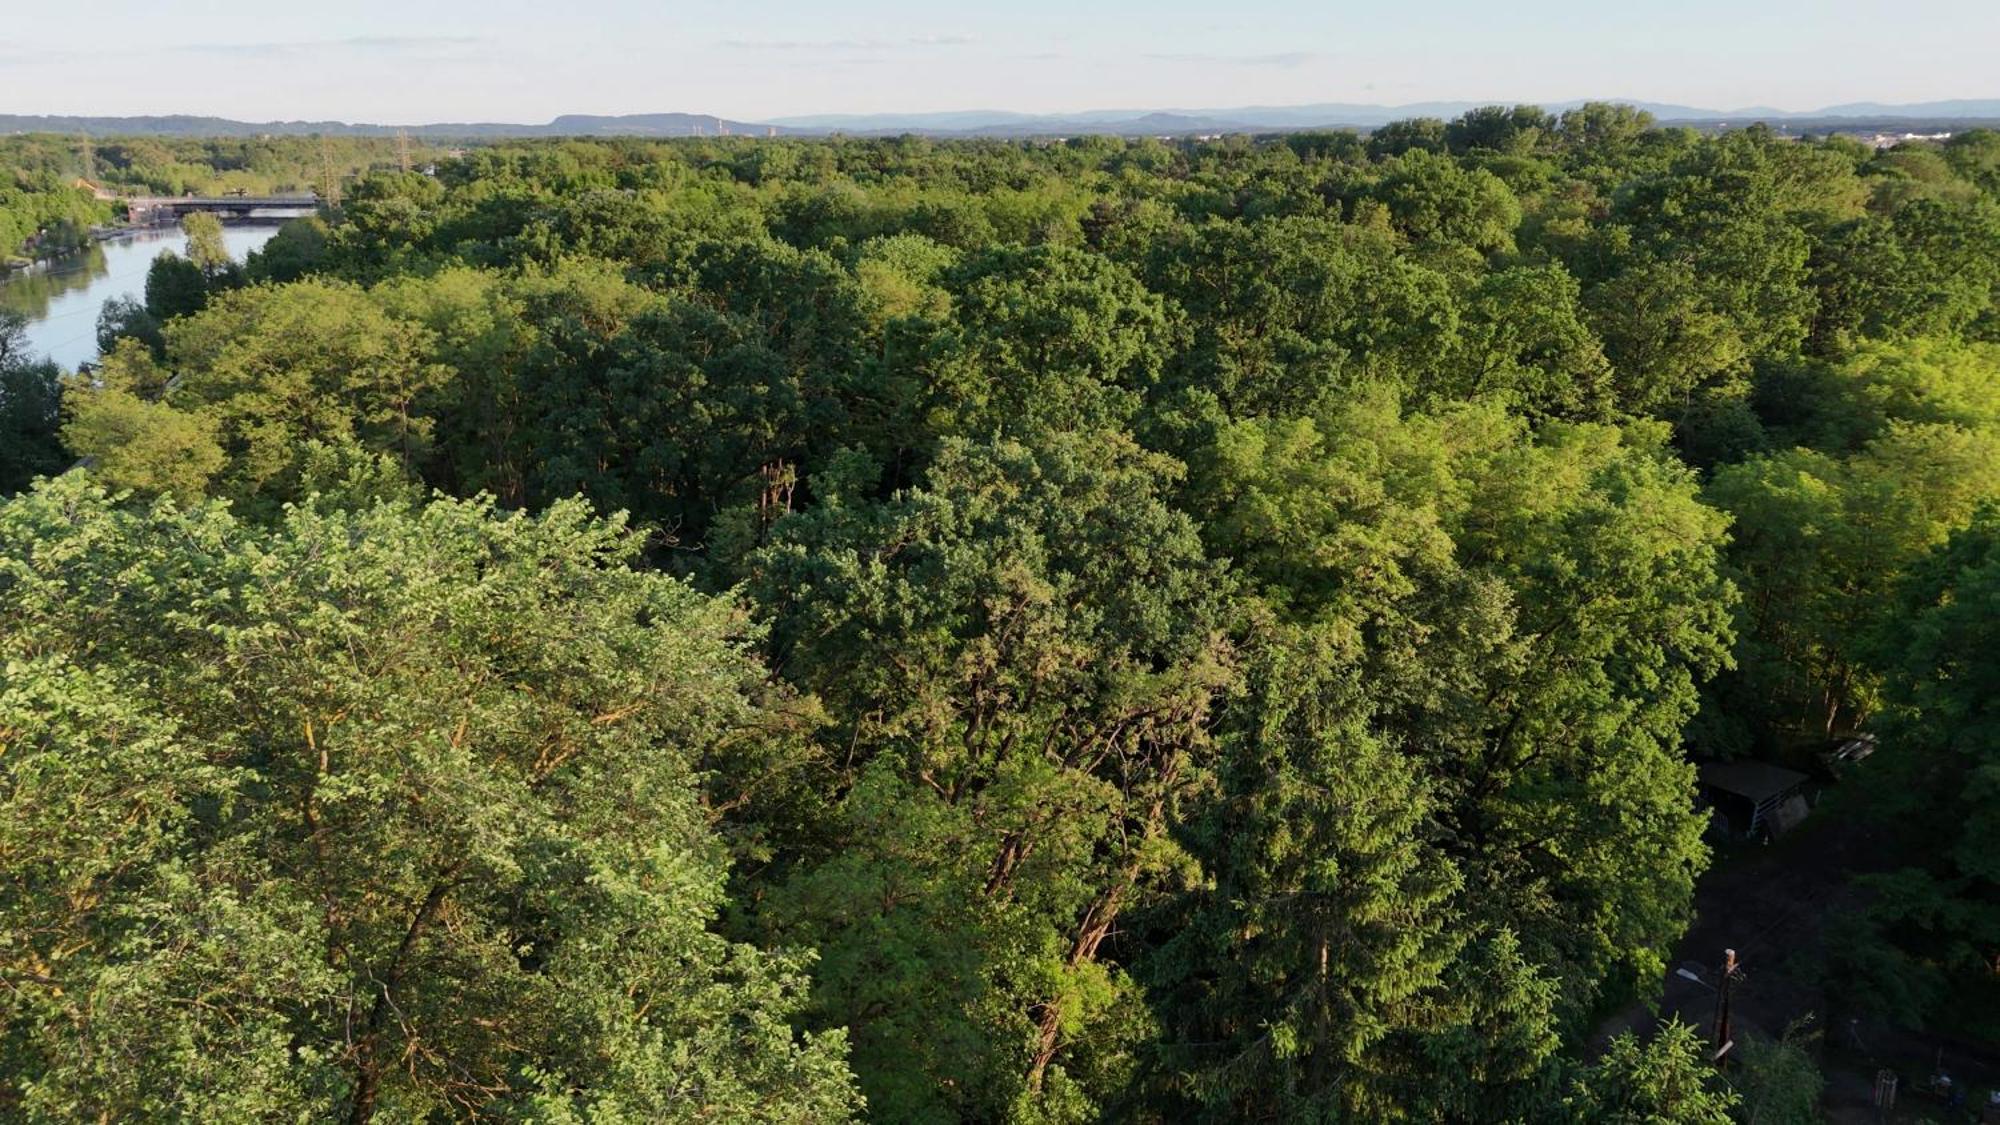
(1324, 941)
(299, 248)
(30, 410)
(124, 318)
(174, 287)
(1228, 615)
(1929, 940)
(1021, 657)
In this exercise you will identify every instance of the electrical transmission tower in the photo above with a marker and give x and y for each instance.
(403, 149)
(330, 192)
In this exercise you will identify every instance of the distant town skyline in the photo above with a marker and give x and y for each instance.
(511, 60)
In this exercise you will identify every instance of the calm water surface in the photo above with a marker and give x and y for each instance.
(61, 298)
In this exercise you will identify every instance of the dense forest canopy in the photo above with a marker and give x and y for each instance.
(742, 630)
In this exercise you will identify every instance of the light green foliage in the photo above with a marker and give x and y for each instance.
(1912, 450)
(899, 277)
(1432, 201)
(43, 213)
(275, 369)
(1667, 1080)
(144, 446)
(381, 810)
(205, 247)
(1841, 406)
(1505, 581)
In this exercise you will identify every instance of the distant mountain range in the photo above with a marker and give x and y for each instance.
(1000, 123)
(1334, 115)
(569, 125)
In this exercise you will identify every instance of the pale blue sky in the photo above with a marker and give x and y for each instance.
(409, 61)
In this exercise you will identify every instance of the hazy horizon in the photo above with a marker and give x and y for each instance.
(497, 60)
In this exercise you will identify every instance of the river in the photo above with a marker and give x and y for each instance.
(61, 298)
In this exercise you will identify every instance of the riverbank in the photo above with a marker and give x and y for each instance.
(62, 296)
(18, 263)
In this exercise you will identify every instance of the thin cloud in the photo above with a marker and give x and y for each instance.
(362, 43)
(915, 42)
(23, 54)
(1276, 59)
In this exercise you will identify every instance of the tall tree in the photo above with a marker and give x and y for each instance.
(1021, 657)
(382, 812)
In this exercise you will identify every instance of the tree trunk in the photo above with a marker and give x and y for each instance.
(367, 1051)
(1096, 926)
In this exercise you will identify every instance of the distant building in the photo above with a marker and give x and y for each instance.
(1891, 140)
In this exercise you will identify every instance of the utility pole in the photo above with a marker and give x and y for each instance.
(1723, 1041)
(403, 149)
(89, 158)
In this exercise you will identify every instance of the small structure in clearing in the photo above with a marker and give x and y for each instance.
(1758, 798)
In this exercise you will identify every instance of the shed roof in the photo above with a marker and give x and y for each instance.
(1758, 781)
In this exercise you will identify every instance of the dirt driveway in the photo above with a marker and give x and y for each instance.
(1771, 903)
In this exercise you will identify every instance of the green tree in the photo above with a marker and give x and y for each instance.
(1325, 929)
(205, 245)
(174, 287)
(122, 318)
(1664, 1081)
(1020, 657)
(1496, 128)
(378, 812)
(1504, 579)
(1288, 315)
(270, 370)
(1425, 134)
(1043, 337)
(1525, 336)
(1821, 543)
(1932, 932)
(30, 409)
(298, 248)
(1434, 202)
(1778, 1080)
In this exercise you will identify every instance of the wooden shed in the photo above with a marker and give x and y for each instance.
(1757, 797)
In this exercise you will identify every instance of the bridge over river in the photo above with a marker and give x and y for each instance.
(166, 208)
